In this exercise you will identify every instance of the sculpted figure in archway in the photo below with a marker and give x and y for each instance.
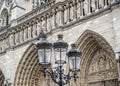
(98, 66)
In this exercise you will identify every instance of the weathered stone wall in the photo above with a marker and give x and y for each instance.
(105, 24)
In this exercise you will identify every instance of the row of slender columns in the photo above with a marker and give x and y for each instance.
(59, 16)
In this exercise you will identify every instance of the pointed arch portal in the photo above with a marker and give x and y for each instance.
(28, 71)
(98, 65)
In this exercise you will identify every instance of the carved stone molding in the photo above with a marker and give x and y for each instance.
(28, 70)
(57, 16)
(98, 59)
(2, 78)
(102, 67)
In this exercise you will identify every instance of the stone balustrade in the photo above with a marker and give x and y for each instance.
(59, 15)
(37, 9)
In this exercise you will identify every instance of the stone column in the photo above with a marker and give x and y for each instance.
(33, 4)
(89, 7)
(57, 17)
(65, 17)
(39, 27)
(82, 9)
(61, 15)
(25, 33)
(71, 12)
(34, 29)
(21, 36)
(75, 11)
(78, 9)
(3, 44)
(7, 42)
(105, 3)
(29, 32)
(68, 13)
(11, 39)
(101, 3)
(53, 19)
(16, 38)
(97, 5)
(47, 24)
(85, 7)
(43, 23)
(45, 19)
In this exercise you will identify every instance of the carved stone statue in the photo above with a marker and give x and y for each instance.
(101, 67)
(78, 9)
(86, 7)
(39, 27)
(49, 27)
(11, 39)
(25, 33)
(93, 5)
(7, 42)
(43, 24)
(53, 21)
(101, 63)
(16, 38)
(65, 14)
(29, 32)
(21, 36)
(71, 12)
(57, 18)
(34, 30)
(101, 3)
(3, 45)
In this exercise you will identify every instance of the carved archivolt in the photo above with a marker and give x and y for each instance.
(2, 78)
(28, 71)
(98, 59)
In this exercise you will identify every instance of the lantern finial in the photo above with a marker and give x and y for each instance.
(60, 36)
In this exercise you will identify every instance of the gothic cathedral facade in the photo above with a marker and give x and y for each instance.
(93, 25)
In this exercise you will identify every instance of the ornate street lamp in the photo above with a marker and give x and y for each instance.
(60, 53)
(60, 50)
(7, 82)
(74, 59)
(44, 51)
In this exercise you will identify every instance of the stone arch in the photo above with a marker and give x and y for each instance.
(2, 78)
(4, 17)
(28, 71)
(93, 47)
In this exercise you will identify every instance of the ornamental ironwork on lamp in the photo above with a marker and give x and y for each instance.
(60, 48)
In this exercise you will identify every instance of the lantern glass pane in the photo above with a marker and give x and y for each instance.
(74, 63)
(44, 56)
(60, 55)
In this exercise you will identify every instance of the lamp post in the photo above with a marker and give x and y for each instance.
(60, 48)
(7, 82)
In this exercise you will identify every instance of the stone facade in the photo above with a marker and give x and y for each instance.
(92, 24)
